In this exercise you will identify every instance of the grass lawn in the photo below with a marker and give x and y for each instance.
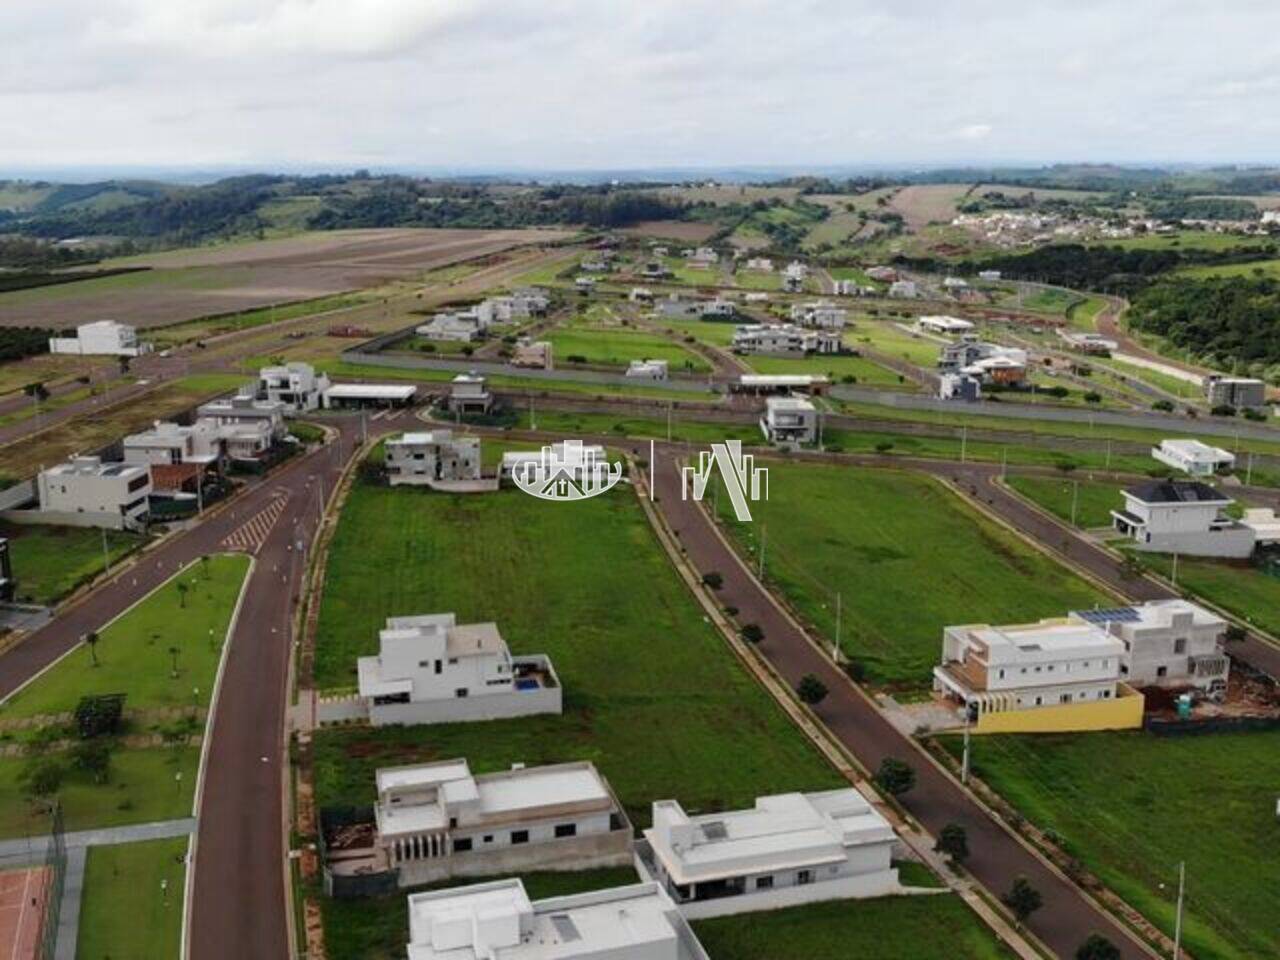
(586, 583)
(1234, 585)
(1258, 268)
(49, 562)
(1094, 500)
(1084, 313)
(141, 787)
(1051, 300)
(377, 928)
(124, 913)
(896, 342)
(691, 431)
(862, 370)
(718, 333)
(133, 653)
(907, 557)
(758, 280)
(617, 348)
(937, 927)
(1154, 801)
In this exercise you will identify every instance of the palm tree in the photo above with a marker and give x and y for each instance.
(91, 640)
(182, 593)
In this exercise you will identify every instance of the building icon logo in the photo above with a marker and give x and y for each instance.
(567, 471)
(743, 481)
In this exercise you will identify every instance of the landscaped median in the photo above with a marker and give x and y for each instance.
(162, 655)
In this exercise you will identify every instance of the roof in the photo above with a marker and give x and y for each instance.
(789, 403)
(1195, 450)
(372, 391)
(780, 379)
(1043, 641)
(1153, 613)
(1176, 491)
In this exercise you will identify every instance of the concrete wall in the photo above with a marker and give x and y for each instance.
(497, 706)
(1234, 542)
(65, 518)
(1122, 713)
(611, 849)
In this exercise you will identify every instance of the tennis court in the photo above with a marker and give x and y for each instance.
(23, 894)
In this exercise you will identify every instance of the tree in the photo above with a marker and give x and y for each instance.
(42, 777)
(182, 593)
(895, 777)
(91, 641)
(98, 716)
(173, 652)
(1235, 633)
(751, 632)
(713, 580)
(124, 365)
(1022, 899)
(953, 842)
(1097, 947)
(1131, 567)
(94, 758)
(811, 690)
(1093, 396)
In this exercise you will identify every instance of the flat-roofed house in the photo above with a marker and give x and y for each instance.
(431, 669)
(1193, 457)
(1055, 675)
(361, 396)
(648, 369)
(246, 409)
(1167, 643)
(469, 394)
(902, 289)
(674, 307)
(451, 328)
(784, 339)
(497, 921)
(1243, 393)
(789, 849)
(819, 313)
(944, 325)
(101, 338)
(438, 820)
(179, 456)
(88, 492)
(789, 421)
(1182, 516)
(294, 384)
(437, 459)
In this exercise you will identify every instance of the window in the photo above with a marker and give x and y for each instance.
(1039, 701)
(566, 830)
(488, 838)
(1002, 673)
(1106, 694)
(804, 877)
(460, 692)
(439, 667)
(461, 844)
(1065, 698)
(453, 822)
(519, 836)
(1161, 671)
(1180, 645)
(764, 883)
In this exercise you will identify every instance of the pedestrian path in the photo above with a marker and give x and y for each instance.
(250, 535)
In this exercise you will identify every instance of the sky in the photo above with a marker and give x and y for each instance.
(563, 84)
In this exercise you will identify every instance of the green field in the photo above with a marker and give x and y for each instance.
(907, 557)
(1233, 585)
(142, 787)
(1094, 500)
(134, 653)
(1084, 313)
(715, 332)
(617, 348)
(1130, 806)
(205, 327)
(49, 562)
(587, 584)
(895, 342)
(124, 912)
(1052, 300)
(1258, 268)
(889, 928)
(690, 431)
(1186, 240)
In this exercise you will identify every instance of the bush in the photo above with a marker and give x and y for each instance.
(1097, 947)
(953, 842)
(884, 446)
(1022, 899)
(1093, 396)
(751, 632)
(1223, 410)
(99, 716)
(713, 580)
(576, 358)
(895, 777)
(856, 671)
(1164, 406)
(811, 690)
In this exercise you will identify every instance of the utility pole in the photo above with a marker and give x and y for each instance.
(964, 441)
(1177, 923)
(1108, 465)
(106, 554)
(964, 763)
(1004, 462)
(669, 406)
(320, 500)
(760, 576)
(1248, 473)
(533, 417)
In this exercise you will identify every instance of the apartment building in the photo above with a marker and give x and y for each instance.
(86, 492)
(789, 849)
(431, 669)
(438, 820)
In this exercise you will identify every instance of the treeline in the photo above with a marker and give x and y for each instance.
(1232, 322)
(27, 253)
(1202, 208)
(19, 342)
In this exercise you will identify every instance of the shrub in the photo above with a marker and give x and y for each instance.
(811, 690)
(751, 632)
(712, 579)
(1097, 947)
(953, 842)
(1022, 899)
(895, 777)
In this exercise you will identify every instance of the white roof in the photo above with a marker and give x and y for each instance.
(1044, 641)
(783, 831)
(1196, 451)
(780, 379)
(789, 403)
(1264, 523)
(497, 920)
(946, 323)
(372, 391)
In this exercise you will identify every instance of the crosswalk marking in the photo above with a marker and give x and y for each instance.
(251, 534)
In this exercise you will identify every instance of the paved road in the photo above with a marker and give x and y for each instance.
(1066, 917)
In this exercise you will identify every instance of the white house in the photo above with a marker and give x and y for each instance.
(438, 820)
(718, 307)
(640, 295)
(819, 313)
(851, 288)
(497, 921)
(431, 669)
(675, 308)
(794, 276)
(359, 396)
(763, 264)
(789, 421)
(943, 324)
(469, 393)
(101, 338)
(902, 289)
(959, 386)
(1243, 393)
(647, 369)
(246, 410)
(1085, 342)
(954, 283)
(1050, 663)
(791, 848)
(584, 284)
(295, 384)
(784, 339)
(1178, 516)
(451, 327)
(989, 274)
(86, 492)
(168, 443)
(755, 296)
(436, 459)
(1167, 643)
(1193, 457)
(764, 384)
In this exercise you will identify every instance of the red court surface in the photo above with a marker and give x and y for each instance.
(22, 902)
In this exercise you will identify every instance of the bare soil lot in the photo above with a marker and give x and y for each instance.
(185, 284)
(927, 203)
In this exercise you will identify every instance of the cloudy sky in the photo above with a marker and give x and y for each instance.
(510, 84)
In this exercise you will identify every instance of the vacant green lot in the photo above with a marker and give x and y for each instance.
(1093, 501)
(892, 340)
(907, 558)
(49, 562)
(617, 348)
(191, 614)
(142, 786)
(124, 913)
(587, 584)
(889, 928)
(1084, 313)
(1233, 585)
(606, 423)
(1051, 300)
(1152, 802)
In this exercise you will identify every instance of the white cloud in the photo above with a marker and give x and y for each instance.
(571, 83)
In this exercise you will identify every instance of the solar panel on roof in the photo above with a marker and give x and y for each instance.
(1112, 615)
